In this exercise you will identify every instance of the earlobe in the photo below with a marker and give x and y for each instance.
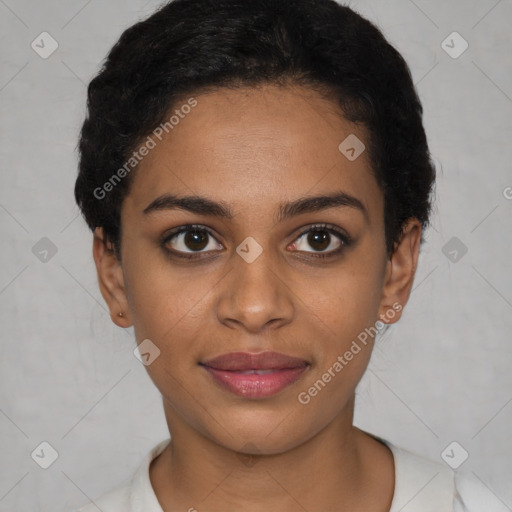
(400, 272)
(110, 279)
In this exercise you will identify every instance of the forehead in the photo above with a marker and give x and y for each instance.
(256, 146)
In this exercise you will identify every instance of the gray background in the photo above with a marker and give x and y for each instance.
(68, 375)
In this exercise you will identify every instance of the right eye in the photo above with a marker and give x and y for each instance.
(192, 237)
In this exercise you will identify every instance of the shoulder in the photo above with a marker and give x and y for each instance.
(116, 500)
(421, 484)
(474, 496)
(424, 485)
(134, 494)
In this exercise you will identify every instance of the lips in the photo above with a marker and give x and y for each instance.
(253, 375)
(246, 361)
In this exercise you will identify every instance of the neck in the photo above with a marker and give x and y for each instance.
(334, 470)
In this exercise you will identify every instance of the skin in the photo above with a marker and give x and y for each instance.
(254, 149)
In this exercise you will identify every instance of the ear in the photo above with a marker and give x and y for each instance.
(110, 279)
(400, 271)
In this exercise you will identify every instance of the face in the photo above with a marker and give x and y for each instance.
(261, 268)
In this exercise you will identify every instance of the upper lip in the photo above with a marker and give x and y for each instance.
(242, 361)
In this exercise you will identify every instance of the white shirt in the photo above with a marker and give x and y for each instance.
(421, 485)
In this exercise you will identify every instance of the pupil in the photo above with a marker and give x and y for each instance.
(193, 240)
(315, 238)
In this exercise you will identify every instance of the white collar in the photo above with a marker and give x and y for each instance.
(420, 484)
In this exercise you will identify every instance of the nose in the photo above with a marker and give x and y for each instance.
(254, 296)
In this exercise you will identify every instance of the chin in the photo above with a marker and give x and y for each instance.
(258, 432)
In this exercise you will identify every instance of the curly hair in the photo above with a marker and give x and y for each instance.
(191, 46)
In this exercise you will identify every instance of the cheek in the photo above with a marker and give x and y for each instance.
(162, 297)
(343, 313)
(345, 302)
(345, 340)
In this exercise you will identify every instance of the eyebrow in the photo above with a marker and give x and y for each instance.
(204, 206)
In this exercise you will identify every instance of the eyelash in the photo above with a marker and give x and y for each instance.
(343, 237)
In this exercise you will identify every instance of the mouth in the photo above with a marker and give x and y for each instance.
(255, 376)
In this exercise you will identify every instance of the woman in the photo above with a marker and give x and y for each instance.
(258, 180)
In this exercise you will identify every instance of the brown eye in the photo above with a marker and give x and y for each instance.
(188, 240)
(196, 240)
(320, 239)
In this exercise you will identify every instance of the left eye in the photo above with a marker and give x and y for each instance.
(320, 238)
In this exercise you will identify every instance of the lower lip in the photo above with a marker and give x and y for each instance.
(253, 385)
